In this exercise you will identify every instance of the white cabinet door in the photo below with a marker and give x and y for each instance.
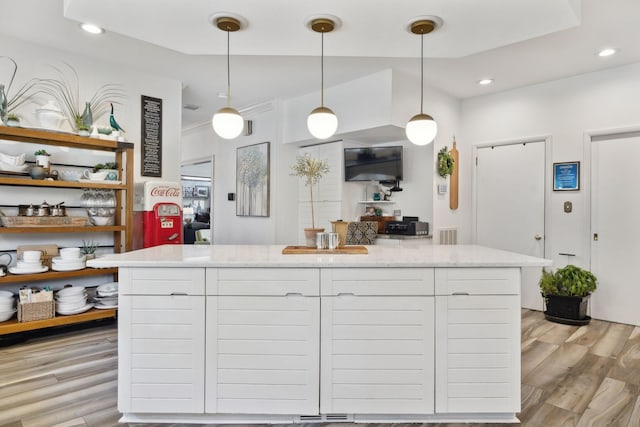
(161, 340)
(477, 340)
(263, 350)
(377, 351)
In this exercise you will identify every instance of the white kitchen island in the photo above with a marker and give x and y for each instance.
(245, 334)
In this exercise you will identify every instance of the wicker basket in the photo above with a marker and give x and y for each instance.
(30, 311)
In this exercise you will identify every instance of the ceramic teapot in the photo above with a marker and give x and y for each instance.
(49, 116)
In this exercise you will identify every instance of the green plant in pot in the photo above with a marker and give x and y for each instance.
(110, 167)
(311, 170)
(89, 248)
(566, 293)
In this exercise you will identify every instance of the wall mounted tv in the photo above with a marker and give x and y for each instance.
(373, 163)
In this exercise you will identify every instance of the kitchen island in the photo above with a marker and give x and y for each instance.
(245, 334)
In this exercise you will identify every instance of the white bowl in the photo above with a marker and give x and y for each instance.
(71, 290)
(72, 299)
(28, 265)
(70, 175)
(31, 256)
(6, 315)
(70, 253)
(108, 289)
(6, 295)
(8, 305)
(69, 306)
(101, 220)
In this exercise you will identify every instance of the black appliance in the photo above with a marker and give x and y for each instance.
(409, 226)
(373, 164)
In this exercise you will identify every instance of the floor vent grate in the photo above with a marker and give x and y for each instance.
(324, 418)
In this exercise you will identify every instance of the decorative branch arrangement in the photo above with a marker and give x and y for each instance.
(312, 170)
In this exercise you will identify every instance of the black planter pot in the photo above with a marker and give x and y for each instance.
(567, 310)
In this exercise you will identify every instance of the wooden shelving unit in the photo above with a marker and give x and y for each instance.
(122, 230)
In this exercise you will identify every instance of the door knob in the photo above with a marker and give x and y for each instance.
(538, 236)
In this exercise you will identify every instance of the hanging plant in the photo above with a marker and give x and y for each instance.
(445, 162)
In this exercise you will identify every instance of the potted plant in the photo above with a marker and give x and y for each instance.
(566, 293)
(66, 91)
(43, 158)
(13, 120)
(89, 248)
(311, 170)
(110, 167)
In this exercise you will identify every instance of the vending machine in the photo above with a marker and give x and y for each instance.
(157, 214)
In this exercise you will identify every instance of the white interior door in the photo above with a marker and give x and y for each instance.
(615, 209)
(510, 187)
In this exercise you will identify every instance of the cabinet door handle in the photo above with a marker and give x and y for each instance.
(346, 294)
(179, 294)
(293, 294)
(460, 293)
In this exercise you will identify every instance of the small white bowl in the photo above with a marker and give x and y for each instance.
(72, 299)
(32, 256)
(6, 295)
(6, 315)
(71, 290)
(70, 175)
(70, 253)
(8, 305)
(108, 289)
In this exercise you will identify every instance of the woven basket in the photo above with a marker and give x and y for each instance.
(30, 311)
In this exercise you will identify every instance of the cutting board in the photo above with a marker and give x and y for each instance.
(351, 249)
(453, 194)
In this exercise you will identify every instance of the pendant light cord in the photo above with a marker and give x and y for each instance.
(322, 69)
(228, 73)
(421, 72)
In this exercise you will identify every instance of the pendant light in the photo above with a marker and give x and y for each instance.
(422, 128)
(322, 122)
(227, 121)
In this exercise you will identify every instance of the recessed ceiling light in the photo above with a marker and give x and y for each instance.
(91, 28)
(485, 82)
(607, 52)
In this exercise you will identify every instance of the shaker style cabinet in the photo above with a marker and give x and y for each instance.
(377, 343)
(44, 189)
(163, 369)
(262, 333)
(477, 340)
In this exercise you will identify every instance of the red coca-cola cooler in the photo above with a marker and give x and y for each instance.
(157, 214)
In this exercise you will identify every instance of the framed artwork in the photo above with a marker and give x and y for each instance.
(252, 180)
(566, 176)
(202, 191)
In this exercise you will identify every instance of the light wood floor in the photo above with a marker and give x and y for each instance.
(587, 376)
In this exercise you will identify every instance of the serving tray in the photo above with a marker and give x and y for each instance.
(43, 221)
(351, 249)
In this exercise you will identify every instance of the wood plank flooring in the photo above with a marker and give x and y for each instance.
(571, 376)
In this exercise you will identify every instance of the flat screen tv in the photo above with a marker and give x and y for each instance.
(373, 163)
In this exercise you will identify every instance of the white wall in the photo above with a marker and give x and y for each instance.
(564, 109)
(36, 61)
(228, 228)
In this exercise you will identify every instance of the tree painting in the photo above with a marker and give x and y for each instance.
(252, 180)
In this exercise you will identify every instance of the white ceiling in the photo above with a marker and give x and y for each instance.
(515, 42)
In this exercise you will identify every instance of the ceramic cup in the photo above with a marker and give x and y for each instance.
(70, 253)
(31, 256)
(94, 176)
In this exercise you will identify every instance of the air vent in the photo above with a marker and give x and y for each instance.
(324, 418)
(191, 107)
(449, 236)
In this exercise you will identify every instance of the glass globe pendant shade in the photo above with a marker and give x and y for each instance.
(322, 123)
(421, 129)
(227, 123)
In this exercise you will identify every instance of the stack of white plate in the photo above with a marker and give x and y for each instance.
(68, 264)
(106, 296)
(6, 305)
(72, 300)
(28, 267)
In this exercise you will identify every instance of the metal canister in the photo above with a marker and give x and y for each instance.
(29, 211)
(322, 240)
(332, 240)
(43, 209)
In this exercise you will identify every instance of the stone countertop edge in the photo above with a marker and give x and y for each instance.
(270, 256)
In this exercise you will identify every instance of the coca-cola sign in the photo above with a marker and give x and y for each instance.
(162, 191)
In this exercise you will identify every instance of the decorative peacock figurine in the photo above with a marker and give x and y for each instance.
(112, 121)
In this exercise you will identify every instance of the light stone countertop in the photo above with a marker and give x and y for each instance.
(427, 255)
